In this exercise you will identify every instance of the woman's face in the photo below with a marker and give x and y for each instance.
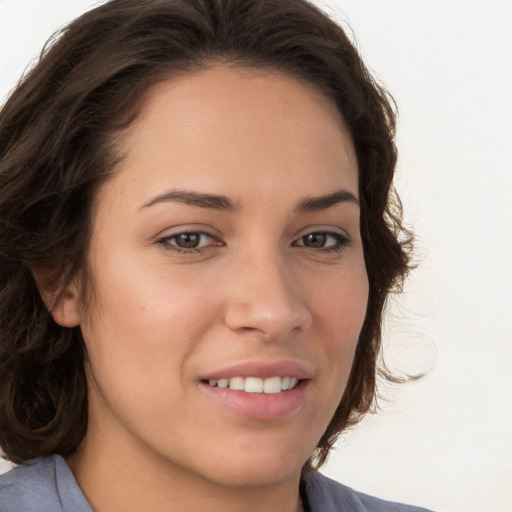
(225, 252)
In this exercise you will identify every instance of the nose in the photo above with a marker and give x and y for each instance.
(265, 299)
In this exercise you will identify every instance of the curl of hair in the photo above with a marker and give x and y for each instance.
(58, 133)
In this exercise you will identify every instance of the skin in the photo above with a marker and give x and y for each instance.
(254, 290)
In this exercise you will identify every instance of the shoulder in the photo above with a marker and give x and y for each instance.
(326, 495)
(29, 486)
(41, 485)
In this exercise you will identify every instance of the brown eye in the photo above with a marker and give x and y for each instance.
(315, 240)
(323, 241)
(188, 240)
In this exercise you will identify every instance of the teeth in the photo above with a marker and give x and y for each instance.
(272, 385)
(237, 383)
(255, 384)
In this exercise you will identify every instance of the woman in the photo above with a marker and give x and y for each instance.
(198, 239)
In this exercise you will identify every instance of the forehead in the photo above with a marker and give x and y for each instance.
(220, 127)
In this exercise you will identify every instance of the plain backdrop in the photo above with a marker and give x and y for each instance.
(444, 442)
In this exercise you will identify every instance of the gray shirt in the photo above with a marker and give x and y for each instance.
(47, 485)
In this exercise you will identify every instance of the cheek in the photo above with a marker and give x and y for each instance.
(340, 303)
(142, 325)
(340, 310)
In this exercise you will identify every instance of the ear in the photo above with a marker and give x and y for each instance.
(62, 303)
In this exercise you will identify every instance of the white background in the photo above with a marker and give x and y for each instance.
(444, 442)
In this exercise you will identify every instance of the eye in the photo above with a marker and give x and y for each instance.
(192, 241)
(323, 241)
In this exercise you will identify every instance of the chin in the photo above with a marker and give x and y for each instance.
(255, 476)
(247, 470)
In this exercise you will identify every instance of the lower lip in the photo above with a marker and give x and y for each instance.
(259, 406)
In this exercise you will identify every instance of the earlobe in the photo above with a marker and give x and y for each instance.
(66, 309)
(63, 305)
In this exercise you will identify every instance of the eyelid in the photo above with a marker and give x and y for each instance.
(343, 239)
(339, 239)
(166, 239)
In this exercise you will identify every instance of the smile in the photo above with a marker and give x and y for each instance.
(270, 385)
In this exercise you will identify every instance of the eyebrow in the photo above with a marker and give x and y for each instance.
(209, 201)
(315, 204)
(220, 202)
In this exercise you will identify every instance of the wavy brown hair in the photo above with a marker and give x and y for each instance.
(58, 133)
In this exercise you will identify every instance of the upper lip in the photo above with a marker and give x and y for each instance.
(263, 369)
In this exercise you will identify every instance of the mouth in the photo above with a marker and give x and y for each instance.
(259, 389)
(270, 385)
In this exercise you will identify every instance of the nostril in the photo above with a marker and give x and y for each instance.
(272, 319)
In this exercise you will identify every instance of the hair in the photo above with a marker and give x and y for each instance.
(57, 145)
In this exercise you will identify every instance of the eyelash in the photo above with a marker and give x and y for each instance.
(165, 241)
(342, 241)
